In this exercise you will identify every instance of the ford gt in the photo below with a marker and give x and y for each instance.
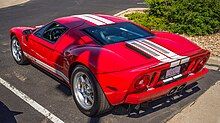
(107, 61)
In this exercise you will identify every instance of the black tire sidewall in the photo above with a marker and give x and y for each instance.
(95, 108)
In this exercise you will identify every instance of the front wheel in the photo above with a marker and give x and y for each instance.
(87, 93)
(17, 52)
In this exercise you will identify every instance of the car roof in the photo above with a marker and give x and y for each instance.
(89, 19)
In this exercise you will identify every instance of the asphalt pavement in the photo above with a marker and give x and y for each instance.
(56, 97)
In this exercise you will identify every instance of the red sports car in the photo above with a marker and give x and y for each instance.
(107, 60)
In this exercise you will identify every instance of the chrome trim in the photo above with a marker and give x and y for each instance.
(172, 78)
(167, 80)
(177, 76)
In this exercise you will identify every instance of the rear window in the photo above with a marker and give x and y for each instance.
(109, 34)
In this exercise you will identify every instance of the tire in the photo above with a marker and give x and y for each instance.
(22, 60)
(100, 103)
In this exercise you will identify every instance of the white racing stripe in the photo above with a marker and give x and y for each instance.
(148, 50)
(160, 53)
(31, 102)
(185, 60)
(57, 72)
(99, 18)
(52, 69)
(177, 59)
(163, 54)
(175, 63)
(161, 49)
(172, 57)
(94, 19)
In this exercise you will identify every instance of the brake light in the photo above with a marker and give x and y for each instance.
(142, 82)
(200, 64)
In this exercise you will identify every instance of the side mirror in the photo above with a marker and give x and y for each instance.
(27, 32)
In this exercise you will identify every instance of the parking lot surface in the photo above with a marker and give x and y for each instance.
(55, 97)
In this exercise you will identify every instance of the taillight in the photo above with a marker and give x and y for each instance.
(141, 83)
(200, 65)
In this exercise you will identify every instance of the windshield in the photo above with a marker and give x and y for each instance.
(118, 32)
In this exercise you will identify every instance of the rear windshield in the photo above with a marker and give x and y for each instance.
(109, 34)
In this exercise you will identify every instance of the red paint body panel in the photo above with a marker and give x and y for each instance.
(116, 66)
(175, 43)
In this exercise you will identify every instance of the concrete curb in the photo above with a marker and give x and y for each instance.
(130, 10)
(213, 61)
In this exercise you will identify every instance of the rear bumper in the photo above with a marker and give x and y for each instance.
(153, 93)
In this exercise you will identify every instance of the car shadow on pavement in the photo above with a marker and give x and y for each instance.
(94, 120)
(158, 104)
(61, 87)
(6, 115)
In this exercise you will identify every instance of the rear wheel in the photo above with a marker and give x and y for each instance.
(17, 52)
(87, 93)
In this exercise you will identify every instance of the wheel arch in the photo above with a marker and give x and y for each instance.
(12, 34)
(15, 32)
(71, 68)
(80, 61)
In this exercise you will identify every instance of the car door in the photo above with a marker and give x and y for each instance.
(42, 44)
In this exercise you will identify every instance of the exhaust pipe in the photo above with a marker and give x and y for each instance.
(172, 91)
(176, 89)
(181, 87)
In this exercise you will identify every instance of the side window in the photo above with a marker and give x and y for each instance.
(40, 31)
(51, 32)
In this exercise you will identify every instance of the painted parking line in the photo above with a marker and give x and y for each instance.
(31, 102)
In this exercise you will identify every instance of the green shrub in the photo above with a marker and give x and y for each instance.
(192, 17)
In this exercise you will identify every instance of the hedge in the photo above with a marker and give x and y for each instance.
(192, 17)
